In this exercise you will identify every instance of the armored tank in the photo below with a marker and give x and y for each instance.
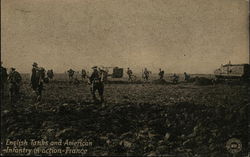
(233, 71)
(114, 72)
(117, 72)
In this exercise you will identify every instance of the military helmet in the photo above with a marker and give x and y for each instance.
(34, 64)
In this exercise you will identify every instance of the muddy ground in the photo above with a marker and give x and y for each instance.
(136, 119)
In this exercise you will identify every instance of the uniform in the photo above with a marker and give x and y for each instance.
(96, 80)
(84, 74)
(146, 74)
(129, 72)
(175, 78)
(15, 83)
(186, 76)
(161, 74)
(4, 77)
(71, 74)
(37, 76)
(50, 74)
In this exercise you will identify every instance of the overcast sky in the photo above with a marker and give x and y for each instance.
(195, 36)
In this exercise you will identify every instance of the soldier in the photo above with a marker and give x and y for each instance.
(186, 77)
(96, 81)
(104, 74)
(84, 74)
(175, 78)
(161, 74)
(130, 73)
(4, 77)
(50, 74)
(15, 83)
(37, 76)
(71, 74)
(146, 74)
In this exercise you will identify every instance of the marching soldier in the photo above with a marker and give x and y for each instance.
(71, 74)
(161, 74)
(96, 81)
(130, 73)
(4, 77)
(146, 74)
(37, 76)
(15, 83)
(186, 77)
(50, 74)
(84, 74)
(104, 75)
(175, 79)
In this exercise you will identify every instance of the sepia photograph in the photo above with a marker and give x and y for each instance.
(166, 78)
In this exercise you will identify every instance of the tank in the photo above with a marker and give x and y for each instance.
(233, 71)
(114, 72)
(117, 72)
